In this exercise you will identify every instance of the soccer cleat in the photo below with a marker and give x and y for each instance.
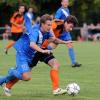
(59, 91)
(76, 65)
(6, 51)
(7, 91)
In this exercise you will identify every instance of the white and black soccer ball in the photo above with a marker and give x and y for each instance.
(73, 89)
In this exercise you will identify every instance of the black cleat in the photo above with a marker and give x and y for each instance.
(6, 51)
(77, 65)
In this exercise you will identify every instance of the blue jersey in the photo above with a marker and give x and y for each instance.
(28, 21)
(62, 13)
(22, 46)
(65, 36)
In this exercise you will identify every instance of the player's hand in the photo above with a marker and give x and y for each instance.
(69, 42)
(47, 51)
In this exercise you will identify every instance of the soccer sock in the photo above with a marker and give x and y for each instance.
(12, 73)
(15, 73)
(72, 55)
(11, 83)
(54, 78)
(10, 45)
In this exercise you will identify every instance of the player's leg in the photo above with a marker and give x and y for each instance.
(14, 37)
(8, 86)
(71, 51)
(54, 74)
(9, 46)
(21, 72)
(72, 55)
(12, 82)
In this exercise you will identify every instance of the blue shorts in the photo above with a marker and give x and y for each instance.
(22, 63)
(65, 36)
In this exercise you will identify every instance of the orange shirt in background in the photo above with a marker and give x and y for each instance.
(18, 19)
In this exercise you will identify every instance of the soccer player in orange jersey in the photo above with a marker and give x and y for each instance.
(17, 26)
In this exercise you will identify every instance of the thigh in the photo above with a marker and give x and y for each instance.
(22, 64)
(35, 60)
(46, 57)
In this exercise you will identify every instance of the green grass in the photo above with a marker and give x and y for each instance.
(39, 88)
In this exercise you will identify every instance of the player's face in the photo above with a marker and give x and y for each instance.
(47, 26)
(65, 3)
(30, 9)
(21, 9)
(68, 26)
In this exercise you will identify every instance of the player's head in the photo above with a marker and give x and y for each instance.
(30, 9)
(65, 3)
(46, 23)
(21, 9)
(70, 22)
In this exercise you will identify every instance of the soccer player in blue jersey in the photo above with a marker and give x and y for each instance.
(28, 53)
(61, 14)
(29, 19)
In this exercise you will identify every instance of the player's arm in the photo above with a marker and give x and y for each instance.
(33, 36)
(58, 41)
(37, 48)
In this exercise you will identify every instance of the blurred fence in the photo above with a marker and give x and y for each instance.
(78, 33)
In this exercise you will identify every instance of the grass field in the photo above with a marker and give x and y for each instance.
(39, 88)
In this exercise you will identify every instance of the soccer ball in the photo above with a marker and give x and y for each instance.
(73, 89)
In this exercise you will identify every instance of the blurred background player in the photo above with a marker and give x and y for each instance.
(17, 26)
(61, 14)
(29, 19)
(27, 56)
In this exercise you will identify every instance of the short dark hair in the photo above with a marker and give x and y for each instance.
(22, 5)
(44, 18)
(71, 19)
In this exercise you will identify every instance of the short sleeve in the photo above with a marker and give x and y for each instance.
(33, 36)
(58, 14)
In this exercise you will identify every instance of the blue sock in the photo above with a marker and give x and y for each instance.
(2, 79)
(72, 55)
(12, 73)
(5, 79)
(15, 73)
(49, 47)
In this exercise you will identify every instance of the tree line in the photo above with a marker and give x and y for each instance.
(84, 10)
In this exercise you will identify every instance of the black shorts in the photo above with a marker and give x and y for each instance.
(16, 36)
(41, 57)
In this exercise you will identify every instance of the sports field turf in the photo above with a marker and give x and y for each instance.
(39, 88)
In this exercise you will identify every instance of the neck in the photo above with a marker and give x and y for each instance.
(64, 7)
(20, 13)
(42, 30)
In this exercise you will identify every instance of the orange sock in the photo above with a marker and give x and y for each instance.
(11, 83)
(10, 44)
(54, 78)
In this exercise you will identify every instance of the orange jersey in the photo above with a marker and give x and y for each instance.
(57, 29)
(17, 19)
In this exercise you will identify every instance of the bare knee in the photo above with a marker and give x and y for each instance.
(26, 77)
(54, 64)
(70, 45)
